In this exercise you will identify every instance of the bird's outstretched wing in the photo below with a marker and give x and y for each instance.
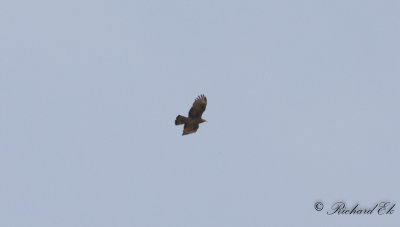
(199, 106)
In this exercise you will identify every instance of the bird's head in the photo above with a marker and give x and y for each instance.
(203, 120)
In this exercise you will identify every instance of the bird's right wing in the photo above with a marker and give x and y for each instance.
(198, 107)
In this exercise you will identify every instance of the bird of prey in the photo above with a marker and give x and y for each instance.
(194, 119)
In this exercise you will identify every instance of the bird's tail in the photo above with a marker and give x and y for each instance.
(180, 120)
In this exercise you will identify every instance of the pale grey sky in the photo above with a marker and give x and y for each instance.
(303, 106)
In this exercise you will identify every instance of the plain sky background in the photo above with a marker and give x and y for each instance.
(303, 106)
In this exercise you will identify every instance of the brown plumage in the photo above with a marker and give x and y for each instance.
(194, 119)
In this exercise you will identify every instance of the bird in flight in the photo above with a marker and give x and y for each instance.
(194, 119)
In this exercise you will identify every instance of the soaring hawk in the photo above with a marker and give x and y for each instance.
(194, 119)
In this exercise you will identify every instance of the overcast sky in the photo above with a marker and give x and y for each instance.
(303, 106)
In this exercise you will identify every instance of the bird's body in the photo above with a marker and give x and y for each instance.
(194, 118)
